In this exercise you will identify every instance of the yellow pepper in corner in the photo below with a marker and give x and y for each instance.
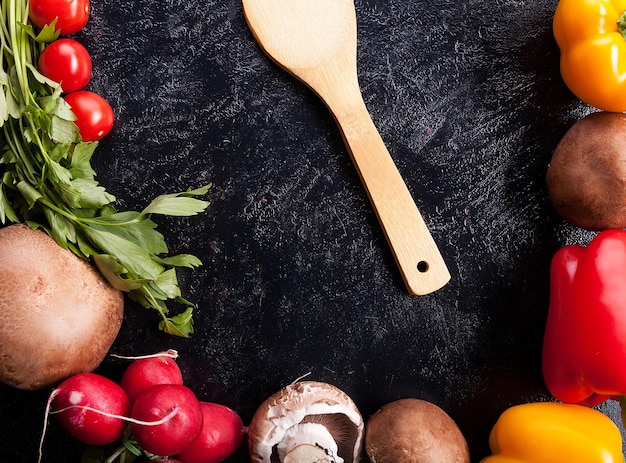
(550, 432)
(591, 37)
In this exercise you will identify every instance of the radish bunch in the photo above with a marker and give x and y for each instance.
(151, 410)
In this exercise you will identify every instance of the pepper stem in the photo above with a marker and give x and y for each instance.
(621, 24)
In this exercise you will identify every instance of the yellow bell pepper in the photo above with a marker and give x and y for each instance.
(589, 34)
(550, 432)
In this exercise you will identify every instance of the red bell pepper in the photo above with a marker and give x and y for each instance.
(584, 348)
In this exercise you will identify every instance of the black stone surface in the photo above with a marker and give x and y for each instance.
(297, 277)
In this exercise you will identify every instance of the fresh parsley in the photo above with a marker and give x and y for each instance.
(47, 182)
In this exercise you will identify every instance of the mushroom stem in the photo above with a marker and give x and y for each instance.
(307, 453)
(311, 435)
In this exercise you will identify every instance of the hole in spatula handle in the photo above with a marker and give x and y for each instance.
(422, 266)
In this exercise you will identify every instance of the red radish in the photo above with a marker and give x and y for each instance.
(222, 433)
(150, 371)
(174, 435)
(105, 397)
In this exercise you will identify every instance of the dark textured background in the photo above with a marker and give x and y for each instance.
(297, 276)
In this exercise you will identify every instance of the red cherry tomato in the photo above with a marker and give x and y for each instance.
(94, 115)
(72, 14)
(66, 61)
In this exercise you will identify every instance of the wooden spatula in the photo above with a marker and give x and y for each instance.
(316, 41)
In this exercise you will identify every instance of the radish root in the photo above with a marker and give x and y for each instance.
(168, 353)
(163, 420)
(53, 394)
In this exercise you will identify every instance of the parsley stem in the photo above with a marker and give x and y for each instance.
(24, 165)
(17, 46)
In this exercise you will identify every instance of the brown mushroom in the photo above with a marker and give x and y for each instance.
(586, 178)
(58, 315)
(306, 422)
(414, 431)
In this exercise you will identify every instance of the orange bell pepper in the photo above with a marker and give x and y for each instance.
(590, 35)
(550, 432)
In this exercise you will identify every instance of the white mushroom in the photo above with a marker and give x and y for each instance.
(307, 422)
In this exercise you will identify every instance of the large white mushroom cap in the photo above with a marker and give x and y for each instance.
(307, 413)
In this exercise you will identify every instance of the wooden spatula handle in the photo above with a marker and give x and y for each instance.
(414, 249)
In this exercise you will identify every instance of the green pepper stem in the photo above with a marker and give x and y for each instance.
(621, 24)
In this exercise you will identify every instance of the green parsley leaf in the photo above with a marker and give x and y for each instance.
(178, 204)
(179, 325)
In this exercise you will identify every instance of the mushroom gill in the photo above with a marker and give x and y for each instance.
(345, 432)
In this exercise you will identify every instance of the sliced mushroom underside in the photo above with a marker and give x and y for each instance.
(307, 422)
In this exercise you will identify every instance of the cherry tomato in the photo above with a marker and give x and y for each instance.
(72, 14)
(94, 115)
(66, 61)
